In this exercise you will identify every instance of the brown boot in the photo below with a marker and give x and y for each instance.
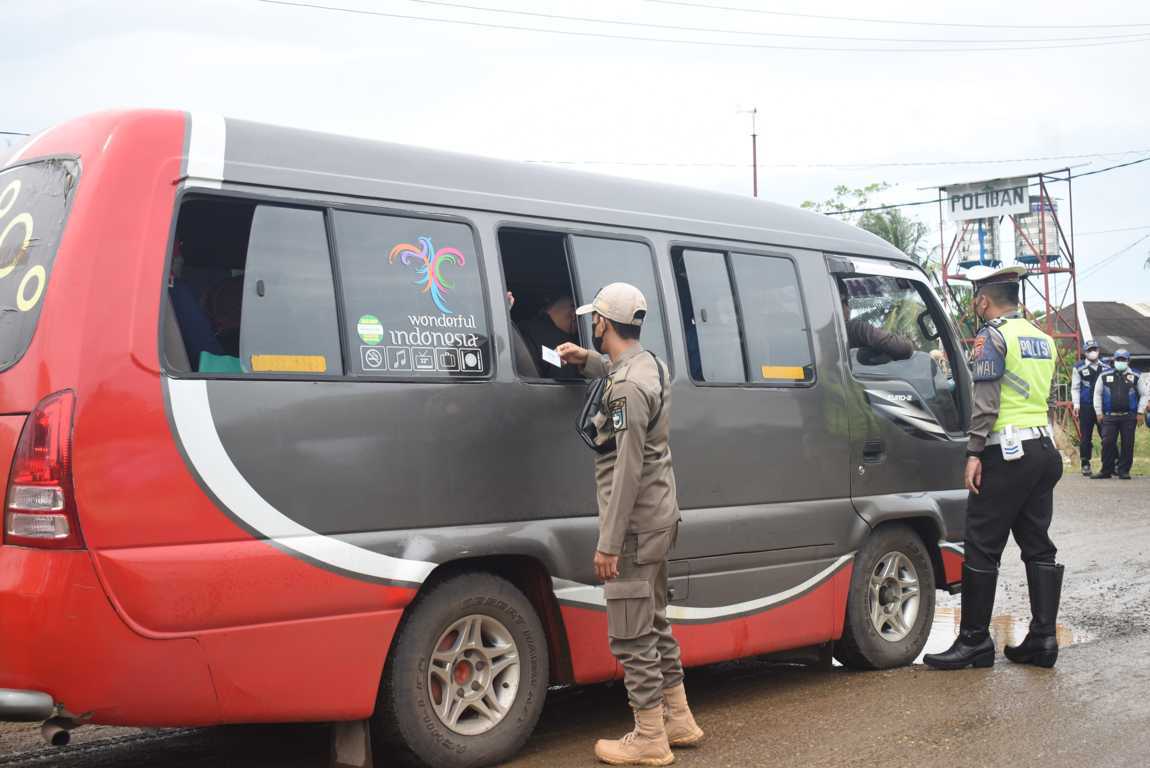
(646, 745)
(682, 730)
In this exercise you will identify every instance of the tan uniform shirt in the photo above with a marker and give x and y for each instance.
(636, 482)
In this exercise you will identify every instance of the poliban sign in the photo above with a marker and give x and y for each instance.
(1003, 197)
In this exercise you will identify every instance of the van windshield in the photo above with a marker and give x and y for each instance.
(33, 205)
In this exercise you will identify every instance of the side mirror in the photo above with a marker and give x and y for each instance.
(927, 326)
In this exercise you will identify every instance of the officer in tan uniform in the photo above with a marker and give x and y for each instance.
(627, 421)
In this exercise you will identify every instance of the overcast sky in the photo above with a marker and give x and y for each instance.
(534, 95)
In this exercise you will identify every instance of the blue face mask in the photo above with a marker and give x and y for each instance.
(1121, 365)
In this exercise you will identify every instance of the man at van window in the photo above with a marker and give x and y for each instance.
(551, 327)
(627, 421)
(1011, 469)
(875, 345)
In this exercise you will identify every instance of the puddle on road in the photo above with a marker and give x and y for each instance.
(1006, 630)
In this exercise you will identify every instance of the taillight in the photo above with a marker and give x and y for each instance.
(40, 510)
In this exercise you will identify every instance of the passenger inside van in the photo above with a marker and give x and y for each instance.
(875, 344)
(195, 325)
(540, 300)
(552, 325)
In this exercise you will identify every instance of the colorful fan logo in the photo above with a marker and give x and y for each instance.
(429, 267)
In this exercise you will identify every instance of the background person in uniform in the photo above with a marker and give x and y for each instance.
(1011, 469)
(1120, 400)
(1082, 381)
(629, 412)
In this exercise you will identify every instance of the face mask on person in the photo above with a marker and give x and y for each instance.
(597, 338)
(1092, 355)
(1121, 365)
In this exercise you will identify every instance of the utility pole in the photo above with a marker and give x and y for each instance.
(754, 113)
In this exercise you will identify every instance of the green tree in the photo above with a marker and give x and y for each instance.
(898, 229)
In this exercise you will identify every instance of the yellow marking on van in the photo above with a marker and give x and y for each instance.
(791, 372)
(289, 363)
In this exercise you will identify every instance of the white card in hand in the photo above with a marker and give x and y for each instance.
(551, 356)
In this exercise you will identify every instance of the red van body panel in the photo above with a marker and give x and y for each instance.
(172, 594)
(60, 635)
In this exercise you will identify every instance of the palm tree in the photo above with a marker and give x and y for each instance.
(903, 233)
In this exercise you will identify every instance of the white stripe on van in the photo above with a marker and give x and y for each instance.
(592, 596)
(209, 137)
(192, 415)
(196, 430)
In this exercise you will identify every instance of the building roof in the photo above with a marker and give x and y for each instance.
(1116, 325)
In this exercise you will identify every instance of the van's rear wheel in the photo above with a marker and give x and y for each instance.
(890, 606)
(467, 676)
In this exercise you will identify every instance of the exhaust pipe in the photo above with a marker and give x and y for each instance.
(57, 731)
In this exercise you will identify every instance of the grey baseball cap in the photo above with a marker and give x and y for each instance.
(621, 302)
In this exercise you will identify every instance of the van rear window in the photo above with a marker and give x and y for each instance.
(33, 206)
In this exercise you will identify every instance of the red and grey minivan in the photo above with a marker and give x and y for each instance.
(281, 445)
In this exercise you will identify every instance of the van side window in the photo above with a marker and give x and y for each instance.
(541, 300)
(600, 261)
(251, 291)
(413, 296)
(775, 329)
(893, 331)
(743, 317)
(288, 322)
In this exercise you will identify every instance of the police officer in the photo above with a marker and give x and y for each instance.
(1120, 399)
(627, 421)
(1082, 381)
(1012, 467)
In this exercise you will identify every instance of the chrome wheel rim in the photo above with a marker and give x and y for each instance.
(893, 597)
(473, 675)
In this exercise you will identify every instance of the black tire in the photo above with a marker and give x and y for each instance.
(862, 645)
(405, 715)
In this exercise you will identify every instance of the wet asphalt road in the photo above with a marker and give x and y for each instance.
(1093, 709)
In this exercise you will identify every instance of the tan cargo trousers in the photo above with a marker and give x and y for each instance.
(637, 625)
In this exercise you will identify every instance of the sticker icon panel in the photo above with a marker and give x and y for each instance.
(398, 359)
(424, 358)
(373, 359)
(447, 360)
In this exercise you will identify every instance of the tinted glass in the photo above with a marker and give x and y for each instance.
(600, 261)
(898, 307)
(413, 295)
(774, 323)
(33, 203)
(288, 320)
(709, 319)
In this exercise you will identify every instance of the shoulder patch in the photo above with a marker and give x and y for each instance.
(618, 409)
(988, 363)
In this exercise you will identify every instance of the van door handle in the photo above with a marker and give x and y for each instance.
(874, 451)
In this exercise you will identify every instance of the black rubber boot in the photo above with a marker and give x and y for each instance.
(974, 646)
(1044, 581)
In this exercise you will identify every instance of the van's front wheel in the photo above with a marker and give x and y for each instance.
(467, 677)
(891, 602)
